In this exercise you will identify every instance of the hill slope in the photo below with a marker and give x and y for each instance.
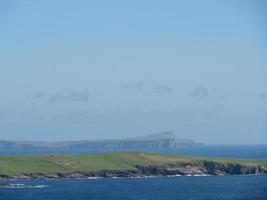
(122, 164)
(165, 140)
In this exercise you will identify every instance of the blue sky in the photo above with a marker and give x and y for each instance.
(74, 70)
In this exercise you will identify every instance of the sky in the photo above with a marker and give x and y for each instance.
(77, 70)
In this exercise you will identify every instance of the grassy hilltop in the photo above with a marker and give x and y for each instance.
(66, 163)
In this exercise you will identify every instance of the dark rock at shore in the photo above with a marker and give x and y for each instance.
(4, 185)
(190, 168)
(215, 168)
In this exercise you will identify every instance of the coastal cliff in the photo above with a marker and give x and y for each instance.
(131, 164)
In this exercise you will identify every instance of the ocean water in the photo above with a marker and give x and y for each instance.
(156, 188)
(234, 151)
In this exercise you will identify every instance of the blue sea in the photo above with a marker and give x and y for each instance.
(233, 151)
(154, 188)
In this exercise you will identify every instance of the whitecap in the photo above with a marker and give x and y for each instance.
(21, 186)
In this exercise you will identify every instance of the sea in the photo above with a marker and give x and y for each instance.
(150, 188)
(233, 151)
(230, 151)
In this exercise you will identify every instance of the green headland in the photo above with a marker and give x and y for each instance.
(122, 164)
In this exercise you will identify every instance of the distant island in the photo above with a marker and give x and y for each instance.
(122, 164)
(159, 141)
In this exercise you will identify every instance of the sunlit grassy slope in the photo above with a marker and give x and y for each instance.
(16, 164)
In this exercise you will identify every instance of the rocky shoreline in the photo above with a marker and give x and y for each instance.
(190, 168)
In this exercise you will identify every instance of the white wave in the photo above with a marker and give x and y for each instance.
(144, 176)
(21, 186)
(39, 186)
(94, 178)
(174, 175)
(202, 175)
(116, 177)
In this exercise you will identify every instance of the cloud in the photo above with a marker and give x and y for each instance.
(39, 95)
(162, 89)
(217, 109)
(68, 95)
(200, 92)
(263, 95)
(136, 85)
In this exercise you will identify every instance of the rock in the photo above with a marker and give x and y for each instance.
(190, 168)
(4, 185)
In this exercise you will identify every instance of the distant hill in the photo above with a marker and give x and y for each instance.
(159, 141)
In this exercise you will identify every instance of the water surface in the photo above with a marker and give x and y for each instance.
(160, 188)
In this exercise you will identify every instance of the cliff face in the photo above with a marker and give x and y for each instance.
(214, 168)
(191, 168)
(203, 168)
(165, 140)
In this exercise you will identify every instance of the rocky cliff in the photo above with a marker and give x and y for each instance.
(191, 168)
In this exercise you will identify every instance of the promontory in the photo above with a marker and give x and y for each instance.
(123, 164)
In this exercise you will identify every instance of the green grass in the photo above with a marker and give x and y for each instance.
(18, 164)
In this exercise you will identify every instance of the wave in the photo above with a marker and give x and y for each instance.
(21, 186)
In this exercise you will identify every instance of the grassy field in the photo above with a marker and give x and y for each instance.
(17, 164)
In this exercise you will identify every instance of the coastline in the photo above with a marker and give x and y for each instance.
(207, 168)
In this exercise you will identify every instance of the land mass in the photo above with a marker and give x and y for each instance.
(163, 141)
(122, 164)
